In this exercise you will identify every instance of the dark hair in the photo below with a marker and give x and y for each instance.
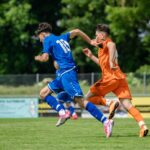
(43, 27)
(103, 28)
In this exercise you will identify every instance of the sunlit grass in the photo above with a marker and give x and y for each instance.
(82, 134)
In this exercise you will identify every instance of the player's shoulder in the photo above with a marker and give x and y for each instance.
(110, 43)
(50, 38)
(65, 34)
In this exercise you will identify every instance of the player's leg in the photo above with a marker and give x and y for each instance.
(134, 112)
(112, 108)
(112, 104)
(71, 108)
(63, 97)
(96, 99)
(45, 94)
(96, 113)
(72, 87)
(124, 96)
(99, 89)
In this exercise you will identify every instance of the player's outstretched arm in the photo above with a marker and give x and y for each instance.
(89, 54)
(42, 58)
(85, 37)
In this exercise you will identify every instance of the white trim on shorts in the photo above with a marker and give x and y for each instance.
(50, 88)
(68, 70)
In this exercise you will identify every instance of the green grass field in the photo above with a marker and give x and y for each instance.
(82, 134)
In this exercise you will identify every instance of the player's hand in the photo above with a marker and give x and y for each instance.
(113, 67)
(87, 52)
(42, 58)
(37, 58)
(94, 43)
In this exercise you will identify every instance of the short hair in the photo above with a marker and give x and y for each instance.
(43, 27)
(103, 28)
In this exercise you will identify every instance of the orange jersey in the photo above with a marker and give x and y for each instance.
(107, 73)
(112, 80)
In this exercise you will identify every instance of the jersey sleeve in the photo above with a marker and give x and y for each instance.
(66, 36)
(47, 46)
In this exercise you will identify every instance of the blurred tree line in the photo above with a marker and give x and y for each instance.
(129, 21)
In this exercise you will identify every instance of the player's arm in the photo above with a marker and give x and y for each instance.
(112, 51)
(85, 37)
(42, 58)
(89, 54)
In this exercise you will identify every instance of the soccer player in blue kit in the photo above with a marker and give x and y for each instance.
(59, 49)
(64, 98)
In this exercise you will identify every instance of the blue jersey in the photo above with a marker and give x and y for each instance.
(58, 47)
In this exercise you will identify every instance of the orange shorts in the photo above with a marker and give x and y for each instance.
(118, 86)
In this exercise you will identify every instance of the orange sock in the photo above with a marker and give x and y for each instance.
(97, 100)
(136, 114)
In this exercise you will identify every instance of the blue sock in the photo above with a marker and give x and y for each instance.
(95, 112)
(51, 100)
(71, 109)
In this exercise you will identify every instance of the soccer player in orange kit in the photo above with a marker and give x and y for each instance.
(113, 79)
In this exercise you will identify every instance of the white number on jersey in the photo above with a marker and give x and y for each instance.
(64, 45)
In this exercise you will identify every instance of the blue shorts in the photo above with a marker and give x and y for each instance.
(63, 97)
(68, 82)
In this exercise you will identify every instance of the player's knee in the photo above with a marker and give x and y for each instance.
(42, 95)
(81, 105)
(80, 101)
(126, 103)
(44, 92)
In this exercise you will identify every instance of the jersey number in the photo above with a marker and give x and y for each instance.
(64, 45)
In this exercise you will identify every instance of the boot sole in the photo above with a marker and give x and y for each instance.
(62, 122)
(111, 115)
(146, 132)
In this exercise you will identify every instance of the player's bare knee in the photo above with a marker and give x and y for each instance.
(42, 94)
(126, 103)
(81, 105)
(79, 100)
(85, 103)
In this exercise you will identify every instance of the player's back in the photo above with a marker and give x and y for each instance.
(58, 47)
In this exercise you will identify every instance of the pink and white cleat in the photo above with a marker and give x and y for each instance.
(74, 116)
(63, 118)
(108, 125)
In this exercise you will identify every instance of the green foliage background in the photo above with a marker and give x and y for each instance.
(129, 22)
